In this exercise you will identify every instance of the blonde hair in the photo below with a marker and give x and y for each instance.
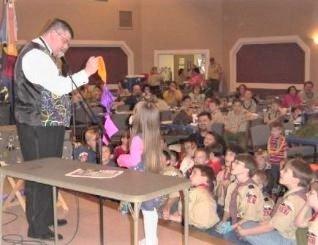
(90, 133)
(146, 124)
(261, 152)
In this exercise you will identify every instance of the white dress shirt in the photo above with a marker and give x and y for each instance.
(39, 68)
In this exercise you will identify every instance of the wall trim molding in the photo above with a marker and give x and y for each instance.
(266, 40)
(206, 52)
(103, 43)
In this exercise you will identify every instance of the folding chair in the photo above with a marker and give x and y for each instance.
(166, 116)
(259, 136)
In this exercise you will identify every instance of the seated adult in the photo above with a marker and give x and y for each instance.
(274, 112)
(122, 92)
(89, 92)
(240, 91)
(184, 117)
(292, 98)
(214, 141)
(236, 125)
(133, 99)
(206, 105)
(172, 96)
(196, 96)
(204, 122)
(155, 79)
(216, 114)
(248, 102)
(160, 103)
(308, 95)
(147, 94)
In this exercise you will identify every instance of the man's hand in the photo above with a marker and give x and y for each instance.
(91, 65)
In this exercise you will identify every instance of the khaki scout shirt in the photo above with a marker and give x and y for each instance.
(284, 217)
(202, 208)
(217, 117)
(268, 208)
(250, 203)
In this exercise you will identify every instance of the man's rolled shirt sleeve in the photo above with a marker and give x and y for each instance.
(40, 69)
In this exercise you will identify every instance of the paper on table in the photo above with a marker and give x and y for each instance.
(94, 174)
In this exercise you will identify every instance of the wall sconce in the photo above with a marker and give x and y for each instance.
(315, 38)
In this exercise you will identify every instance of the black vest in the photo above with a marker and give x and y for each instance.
(34, 105)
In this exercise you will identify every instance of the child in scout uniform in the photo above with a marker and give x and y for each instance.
(261, 179)
(308, 216)
(202, 206)
(224, 179)
(246, 200)
(281, 228)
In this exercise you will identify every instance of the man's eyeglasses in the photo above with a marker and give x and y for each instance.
(64, 39)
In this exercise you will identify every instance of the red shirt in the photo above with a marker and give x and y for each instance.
(215, 165)
(119, 151)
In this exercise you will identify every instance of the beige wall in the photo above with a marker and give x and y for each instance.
(180, 24)
(253, 18)
(90, 19)
(165, 24)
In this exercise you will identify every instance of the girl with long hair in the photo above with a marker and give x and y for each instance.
(145, 149)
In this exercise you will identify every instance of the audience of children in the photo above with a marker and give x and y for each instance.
(296, 175)
(233, 193)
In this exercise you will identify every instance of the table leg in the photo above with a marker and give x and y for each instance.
(135, 215)
(2, 176)
(15, 192)
(186, 217)
(55, 215)
(101, 220)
